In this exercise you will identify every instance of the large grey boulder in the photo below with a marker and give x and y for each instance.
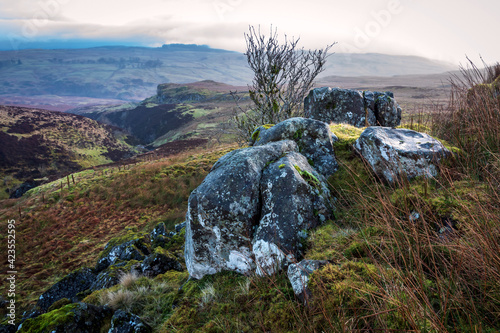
(252, 209)
(392, 153)
(294, 198)
(313, 137)
(224, 211)
(357, 108)
(386, 109)
(299, 273)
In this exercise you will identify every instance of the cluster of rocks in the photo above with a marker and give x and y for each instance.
(141, 254)
(257, 204)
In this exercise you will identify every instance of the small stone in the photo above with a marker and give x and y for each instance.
(299, 273)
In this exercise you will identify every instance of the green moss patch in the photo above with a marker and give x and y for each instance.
(50, 320)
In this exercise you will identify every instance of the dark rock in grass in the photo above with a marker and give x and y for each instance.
(299, 273)
(23, 188)
(8, 328)
(76, 317)
(294, 198)
(159, 230)
(125, 322)
(313, 137)
(180, 226)
(159, 263)
(111, 275)
(393, 153)
(68, 287)
(357, 108)
(134, 249)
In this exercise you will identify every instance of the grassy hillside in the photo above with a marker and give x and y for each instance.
(125, 73)
(62, 228)
(421, 256)
(42, 144)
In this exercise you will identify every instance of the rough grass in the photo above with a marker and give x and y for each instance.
(61, 229)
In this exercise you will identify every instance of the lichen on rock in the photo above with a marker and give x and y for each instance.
(393, 153)
(251, 210)
(353, 107)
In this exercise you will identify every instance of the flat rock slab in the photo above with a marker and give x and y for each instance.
(393, 153)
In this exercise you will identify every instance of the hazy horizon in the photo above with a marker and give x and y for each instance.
(444, 31)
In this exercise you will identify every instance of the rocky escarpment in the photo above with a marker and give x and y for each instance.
(353, 107)
(256, 204)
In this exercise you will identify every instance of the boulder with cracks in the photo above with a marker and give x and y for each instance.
(256, 204)
(353, 107)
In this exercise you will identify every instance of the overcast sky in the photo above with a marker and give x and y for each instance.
(438, 29)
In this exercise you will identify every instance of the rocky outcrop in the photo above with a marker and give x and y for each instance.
(134, 249)
(299, 273)
(224, 210)
(314, 140)
(159, 263)
(295, 198)
(392, 153)
(357, 108)
(252, 208)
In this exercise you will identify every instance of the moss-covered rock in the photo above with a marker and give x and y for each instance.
(76, 317)
(396, 154)
(132, 246)
(125, 322)
(158, 263)
(112, 274)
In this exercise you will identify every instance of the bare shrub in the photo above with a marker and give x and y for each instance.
(283, 75)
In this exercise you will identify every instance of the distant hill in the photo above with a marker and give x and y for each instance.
(37, 145)
(132, 73)
(176, 111)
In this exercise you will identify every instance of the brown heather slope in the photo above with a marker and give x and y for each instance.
(58, 231)
(37, 144)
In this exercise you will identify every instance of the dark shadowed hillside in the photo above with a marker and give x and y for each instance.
(39, 144)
